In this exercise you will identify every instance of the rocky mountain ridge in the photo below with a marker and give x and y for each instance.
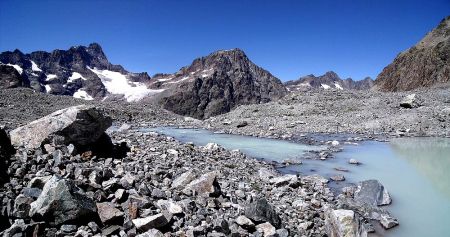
(82, 72)
(330, 80)
(423, 65)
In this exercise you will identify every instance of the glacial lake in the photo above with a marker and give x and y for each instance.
(415, 171)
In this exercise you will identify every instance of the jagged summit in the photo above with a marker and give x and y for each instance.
(216, 83)
(423, 65)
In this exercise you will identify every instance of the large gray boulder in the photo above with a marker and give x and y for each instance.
(373, 193)
(411, 101)
(81, 125)
(261, 211)
(62, 202)
(343, 223)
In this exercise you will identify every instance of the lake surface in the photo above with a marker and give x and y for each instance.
(416, 172)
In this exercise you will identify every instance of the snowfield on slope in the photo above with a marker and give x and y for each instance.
(117, 83)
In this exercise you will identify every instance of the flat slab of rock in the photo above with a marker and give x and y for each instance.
(205, 185)
(62, 202)
(80, 125)
(372, 192)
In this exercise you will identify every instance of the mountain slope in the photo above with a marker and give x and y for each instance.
(216, 84)
(423, 65)
(330, 80)
(82, 72)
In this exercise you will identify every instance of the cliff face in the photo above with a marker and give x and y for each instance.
(423, 65)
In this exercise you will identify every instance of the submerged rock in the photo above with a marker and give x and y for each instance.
(81, 125)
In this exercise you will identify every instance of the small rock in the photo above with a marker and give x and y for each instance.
(387, 221)
(267, 229)
(150, 222)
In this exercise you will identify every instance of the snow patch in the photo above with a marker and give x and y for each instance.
(75, 75)
(35, 67)
(338, 86)
(325, 86)
(182, 79)
(117, 83)
(81, 94)
(166, 79)
(48, 88)
(17, 67)
(51, 77)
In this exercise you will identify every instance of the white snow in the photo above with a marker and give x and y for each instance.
(338, 86)
(81, 94)
(117, 83)
(306, 84)
(75, 75)
(166, 79)
(182, 79)
(17, 67)
(48, 88)
(204, 75)
(51, 77)
(325, 86)
(35, 67)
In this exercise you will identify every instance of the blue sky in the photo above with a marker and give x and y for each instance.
(288, 38)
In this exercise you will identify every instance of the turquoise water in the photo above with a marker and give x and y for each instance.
(416, 172)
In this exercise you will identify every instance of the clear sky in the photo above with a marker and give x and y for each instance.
(288, 38)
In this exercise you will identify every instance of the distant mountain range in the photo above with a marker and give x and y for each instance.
(423, 65)
(329, 80)
(213, 84)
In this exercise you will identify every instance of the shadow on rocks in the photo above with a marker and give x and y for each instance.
(105, 148)
(6, 151)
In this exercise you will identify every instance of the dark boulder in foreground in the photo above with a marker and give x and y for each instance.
(61, 201)
(261, 211)
(80, 125)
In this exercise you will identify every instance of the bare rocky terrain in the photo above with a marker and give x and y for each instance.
(367, 113)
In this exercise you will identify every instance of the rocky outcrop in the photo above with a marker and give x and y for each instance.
(330, 80)
(423, 65)
(217, 83)
(62, 202)
(9, 77)
(81, 125)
